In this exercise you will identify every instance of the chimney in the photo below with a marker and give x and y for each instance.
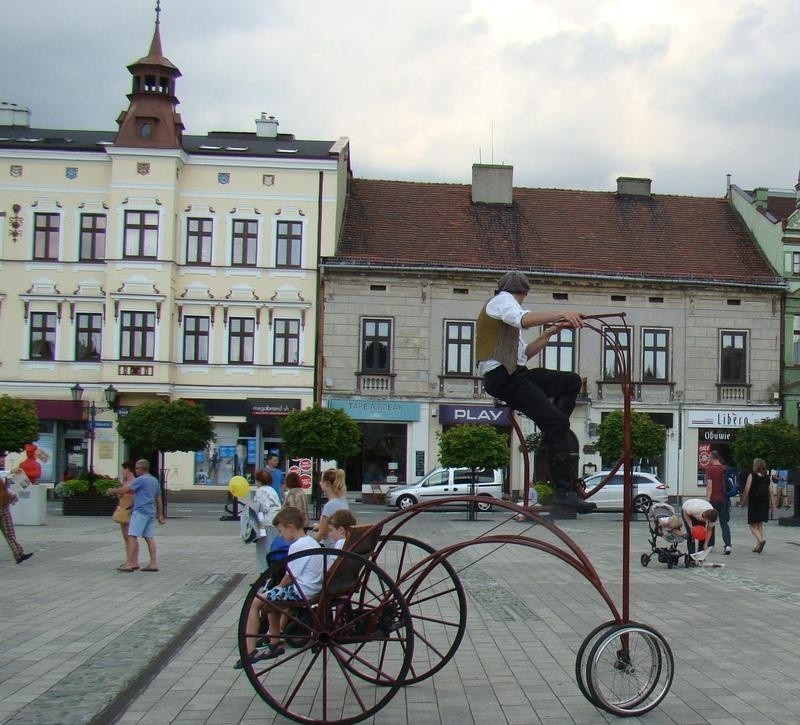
(13, 115)
(633, 186)
(761, 195)
(492, 184)
(267, 126)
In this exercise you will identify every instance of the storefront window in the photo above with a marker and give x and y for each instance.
(233, 453)
(383, 456)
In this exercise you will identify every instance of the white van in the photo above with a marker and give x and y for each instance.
(442, 482)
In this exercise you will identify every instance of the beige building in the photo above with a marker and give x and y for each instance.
(702, 306)
(144, 263)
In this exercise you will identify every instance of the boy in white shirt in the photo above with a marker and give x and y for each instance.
(339, 524)
(303, 580)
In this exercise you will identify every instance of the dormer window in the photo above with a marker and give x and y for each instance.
(146, 130)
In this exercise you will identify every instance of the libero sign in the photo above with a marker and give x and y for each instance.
(727, 418)
(458, 414)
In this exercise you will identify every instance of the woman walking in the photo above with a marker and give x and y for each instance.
(295, 496)
(266, 504)
(122, 516)
(759, 502)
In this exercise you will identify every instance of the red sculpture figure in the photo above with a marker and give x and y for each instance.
(31, 466)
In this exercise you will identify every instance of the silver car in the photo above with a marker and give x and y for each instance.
(647, 489)
(442, 482)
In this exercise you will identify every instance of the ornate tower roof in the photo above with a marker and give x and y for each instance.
(151, 120)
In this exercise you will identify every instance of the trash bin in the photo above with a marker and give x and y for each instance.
(31, 509)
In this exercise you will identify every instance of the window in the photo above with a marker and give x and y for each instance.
(458, 347)
(796, 340)
(289, 244)
(795, 262)
(244, 242)
(45, 236)
(733, 357)
(88, 336)
(376, 341)
(141, 235)
(611, 368)
(93, 238)
(137, 336)
(241, 340)
(559, 352)
(43, 336)
(195, 339)
(198, 241)
(655, 355)
(287, 342)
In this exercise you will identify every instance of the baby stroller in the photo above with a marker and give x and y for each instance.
(668, 553)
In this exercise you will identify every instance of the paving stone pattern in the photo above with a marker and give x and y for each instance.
(733, 631)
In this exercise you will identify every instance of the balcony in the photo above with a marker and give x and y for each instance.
(649, 391)
(733, 392)
(375, 383)
(461, 386)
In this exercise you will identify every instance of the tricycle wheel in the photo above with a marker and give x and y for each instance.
(629, 670)
(359, 624)
(435, 598)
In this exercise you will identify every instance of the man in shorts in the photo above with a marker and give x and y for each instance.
(147, 508)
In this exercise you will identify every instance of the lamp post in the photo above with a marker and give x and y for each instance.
(111, 395)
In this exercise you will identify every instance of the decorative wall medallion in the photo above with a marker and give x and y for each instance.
(16, 170)
(71, 172)
(223, 177)
(268, 179)
(143, 168)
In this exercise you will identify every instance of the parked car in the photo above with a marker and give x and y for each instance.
(647, 489)
(443, 482)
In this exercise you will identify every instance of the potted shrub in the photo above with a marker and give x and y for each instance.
(87, 496)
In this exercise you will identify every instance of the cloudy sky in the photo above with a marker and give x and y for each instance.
(572, 93)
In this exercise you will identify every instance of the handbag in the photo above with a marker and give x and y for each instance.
(122, 514)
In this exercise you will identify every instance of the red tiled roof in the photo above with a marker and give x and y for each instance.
(415, 224)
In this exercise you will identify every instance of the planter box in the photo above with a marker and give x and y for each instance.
(88, 505)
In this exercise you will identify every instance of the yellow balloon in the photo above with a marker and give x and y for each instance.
(238, 486)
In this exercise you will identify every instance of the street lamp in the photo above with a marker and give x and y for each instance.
(111, 395)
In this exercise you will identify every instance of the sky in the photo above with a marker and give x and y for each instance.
(572, 93)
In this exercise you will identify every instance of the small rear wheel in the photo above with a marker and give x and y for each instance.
(629, 670)
(645, 559)
(586, 646)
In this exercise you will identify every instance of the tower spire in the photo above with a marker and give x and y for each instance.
(152, 120)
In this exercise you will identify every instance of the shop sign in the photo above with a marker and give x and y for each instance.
(727, 418)
(271, 407)
(377, 409)
(458, 414)
(714, 435)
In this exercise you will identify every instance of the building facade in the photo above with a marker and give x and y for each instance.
(165, 266)
(701, 305)
(773, 218)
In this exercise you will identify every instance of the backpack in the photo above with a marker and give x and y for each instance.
(730, 483)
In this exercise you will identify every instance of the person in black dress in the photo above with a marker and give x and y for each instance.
(759, 502)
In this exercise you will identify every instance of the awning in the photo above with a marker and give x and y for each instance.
(58, 410)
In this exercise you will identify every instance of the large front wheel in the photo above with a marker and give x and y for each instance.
(343, 654)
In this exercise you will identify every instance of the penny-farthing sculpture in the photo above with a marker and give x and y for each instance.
(393, 612)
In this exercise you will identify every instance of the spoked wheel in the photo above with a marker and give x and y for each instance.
(349, 649)
(629, 670)
(586, 647)
(435, 599)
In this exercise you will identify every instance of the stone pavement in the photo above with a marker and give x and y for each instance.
(83, 643)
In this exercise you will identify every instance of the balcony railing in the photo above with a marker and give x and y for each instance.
(461, 385)
(375, 383)
(733, 393)
(647, 390)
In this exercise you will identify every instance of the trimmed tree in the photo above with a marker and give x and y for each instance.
(473, 447)
(19, 423)
(647, 437)
(320, 434)
(776, 441)
(165, 428)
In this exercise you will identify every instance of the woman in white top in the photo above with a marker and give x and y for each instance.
(266, 504)
(333, 486)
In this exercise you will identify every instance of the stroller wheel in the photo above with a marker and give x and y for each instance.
(645, 559)
(670, 563)
(686, 560)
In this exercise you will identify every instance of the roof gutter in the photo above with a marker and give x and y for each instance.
(777, 284)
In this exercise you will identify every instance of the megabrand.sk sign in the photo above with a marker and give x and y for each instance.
(450, 414)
